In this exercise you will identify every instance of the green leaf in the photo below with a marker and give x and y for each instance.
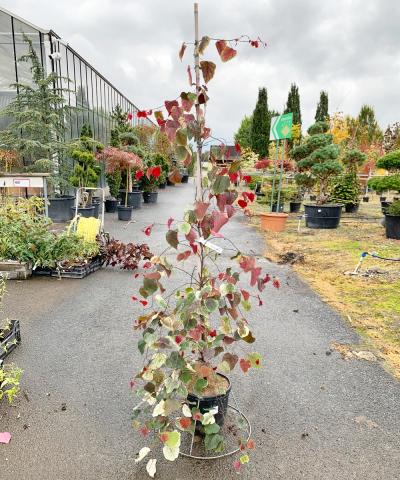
(172, 238)
(182, 152)
(200, 385)
(175, 361)
(214, 442)
(141, 346)
(184, 228)
(150, 286)
(174, 439)
(213, 428)
(246, 305)
(221, 184)
(186, 376)
(181, 137)
(211, 304)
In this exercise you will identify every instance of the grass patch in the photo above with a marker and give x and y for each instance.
(370, 303)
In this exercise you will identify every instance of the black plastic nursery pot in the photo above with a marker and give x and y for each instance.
(111, 205)
(275, 208)
(365, 199)
(96, 206)
(9, 339)
(134, 198)
(205, 404)
(392, 225)
(385, 206)
(150, 197)
(60, 208)
(295, 207)
(162, 185)
(85, 211)
(185, 178)
(169, 183)
(351, 207)
(124, 213)
(323, 216)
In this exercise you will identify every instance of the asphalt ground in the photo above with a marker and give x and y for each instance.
(314, 415)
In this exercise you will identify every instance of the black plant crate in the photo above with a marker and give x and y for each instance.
(77, 271)
(12, 337)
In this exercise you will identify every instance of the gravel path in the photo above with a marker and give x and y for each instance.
(314, 415)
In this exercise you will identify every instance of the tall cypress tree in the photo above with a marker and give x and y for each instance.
(260, 125)
(293, 104)
(322, 108)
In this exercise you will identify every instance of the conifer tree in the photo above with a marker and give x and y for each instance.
(293, 104)
(321, 115)
(259, 134)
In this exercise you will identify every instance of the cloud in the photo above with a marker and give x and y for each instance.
(349, 48)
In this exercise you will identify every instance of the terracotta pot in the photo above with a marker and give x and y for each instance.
(273, 222)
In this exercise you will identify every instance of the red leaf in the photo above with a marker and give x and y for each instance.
(250, 196)
(276, 283)
(208, 70)
(147, 265)
(178, 339)
(183, 255)
(213, 333)
(194, 248)
(169, 223)
(169, 104)
(228, 340)
(263, 164)
(267, 278)
(230, 211)
(195, 333)
(233, 177)
(147, 230)
(225, 51)
(219, 220)
(220, 44)
(189, 72)
(144, 302)
(244, 365)
(138, 175)
(260, 302)
(247, 263)
(251, 444)
(237, 148)
(182, 50)
(200, 209)
(176, 113)
(247, 178)
(185, 422)
(237, 465)
(245, 294)
(157, 172)
(242, 203)
(134, 299)
(149, 172)
(153, 275)
(144, 431)
(141, 114)
(129, 116)
(191, 236)
(221, 201)
(255, 273)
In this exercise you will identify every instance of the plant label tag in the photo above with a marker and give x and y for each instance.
(210, 245)
(21, 182)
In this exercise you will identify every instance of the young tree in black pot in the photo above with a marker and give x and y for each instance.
(317, 157)
(346, 188)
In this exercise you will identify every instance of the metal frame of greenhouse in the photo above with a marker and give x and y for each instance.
(84, 86)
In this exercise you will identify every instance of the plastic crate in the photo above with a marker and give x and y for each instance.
(11, 340)
(80, 271)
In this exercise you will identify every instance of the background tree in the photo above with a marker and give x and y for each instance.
(37, 128)
(260, 125)
(391, 138)
(293, 104)
(322, 108)
(364, 130)
(243, 135)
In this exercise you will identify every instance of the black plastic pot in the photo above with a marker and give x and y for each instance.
(385, 206)
(295, 207)
(84, 211)
(392, 226)
(134, 198)
(323, 216)
(60, 208)
(111, 205)
(365, 199)
(351, 207)
(275, 208)
(162, 185)
(150, 197)
(205, 404)
(382, 199)
(124, 213)
(9, 339)
(169, 183)
(185, 178)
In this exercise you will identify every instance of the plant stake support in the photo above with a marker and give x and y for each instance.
(274, 174)
(199, 186)
(281, 175)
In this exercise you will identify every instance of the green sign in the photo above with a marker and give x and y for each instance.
(281, 127)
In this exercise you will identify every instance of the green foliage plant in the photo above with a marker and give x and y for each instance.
(390, 162)
(394, 209)
(317, 157)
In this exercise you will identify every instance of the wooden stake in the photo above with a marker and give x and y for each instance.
(199, 186)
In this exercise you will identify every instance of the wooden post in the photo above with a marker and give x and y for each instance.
(199, 186)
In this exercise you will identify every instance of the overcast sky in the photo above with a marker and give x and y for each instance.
(351, 48)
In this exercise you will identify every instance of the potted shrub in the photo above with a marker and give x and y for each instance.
(392, 221)
(114, 180)
(151, 178)
(317, 157)
(116, 159)
(86, 171)
(347, 188)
